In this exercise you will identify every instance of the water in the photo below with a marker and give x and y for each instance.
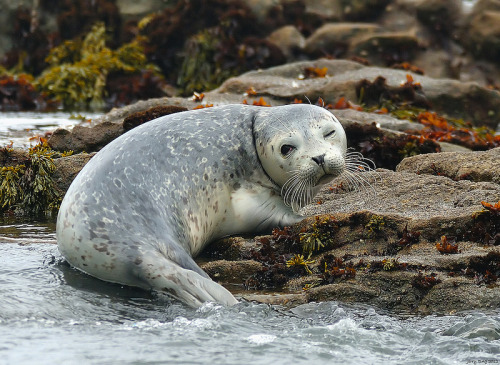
(52, 314)
(24, 128)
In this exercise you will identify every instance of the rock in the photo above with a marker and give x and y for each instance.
(85, 138)
(440, 15)
(419, 197)
(468, 101)
(473, 166)
(436, 63)
(335, 38)
(328, 9)
(400, 16)
(138, 118)
(387, 48)
(384, 121)
(117, 115)
(363, 9)
(481, 6)
(288, 39)
(67, 168)
(388, 234)
(130, 9)
(231, 271)
(483, 34)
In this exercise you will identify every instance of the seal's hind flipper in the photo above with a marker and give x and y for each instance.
(162, 274)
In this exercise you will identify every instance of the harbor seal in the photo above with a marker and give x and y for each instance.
(152, 199)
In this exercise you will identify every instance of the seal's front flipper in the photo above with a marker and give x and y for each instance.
(159, 273)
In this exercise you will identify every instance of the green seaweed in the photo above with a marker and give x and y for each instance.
(298, 260)
(374, 226)
(319, 235)
(40, 193)
(28, 188)
(10, 190)
(79, 70)
(200, 70)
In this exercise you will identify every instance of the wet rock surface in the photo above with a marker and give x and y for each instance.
(393, 270)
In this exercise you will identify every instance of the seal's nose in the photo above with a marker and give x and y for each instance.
(320, 160)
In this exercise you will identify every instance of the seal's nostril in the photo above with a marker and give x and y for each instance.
(320, 160)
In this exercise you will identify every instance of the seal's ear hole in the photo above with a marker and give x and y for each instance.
(286, 149)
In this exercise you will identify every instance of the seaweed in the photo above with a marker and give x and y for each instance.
(314, 72)
(18, 92)
(389, 264)
(486, 228)
(200, 71)
(319, 235)
(406, 239)
(447, 246)
(457, 131)
(79, 70)
(386, 151)
(334, 269)
(27, 188)
(423, 282)
(298, 261)
(274, 271)
(10, 190)
(377, 93)
(374, 226)
(484, 269)
(40, 193)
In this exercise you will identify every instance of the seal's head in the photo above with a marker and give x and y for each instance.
(301, 147)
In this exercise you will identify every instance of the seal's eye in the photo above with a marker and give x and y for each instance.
(330, 134)
(286, 149)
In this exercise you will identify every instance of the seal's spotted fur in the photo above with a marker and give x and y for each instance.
(153, 198)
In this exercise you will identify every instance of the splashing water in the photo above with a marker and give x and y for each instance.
(50, 314)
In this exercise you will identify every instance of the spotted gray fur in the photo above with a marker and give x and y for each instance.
(152, 199)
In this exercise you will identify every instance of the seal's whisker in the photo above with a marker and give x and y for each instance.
(282, 123)
(360, 181)
(358, 166)
(352, 183)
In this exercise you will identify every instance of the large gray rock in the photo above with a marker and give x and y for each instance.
(483, 34)
(67, 168)
(83, 138)
(336, 38)
(474, 166)
(288, 39)
(392, 272)
(465, 100)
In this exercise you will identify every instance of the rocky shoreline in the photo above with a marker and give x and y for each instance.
(380, 240)
(421, 234)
